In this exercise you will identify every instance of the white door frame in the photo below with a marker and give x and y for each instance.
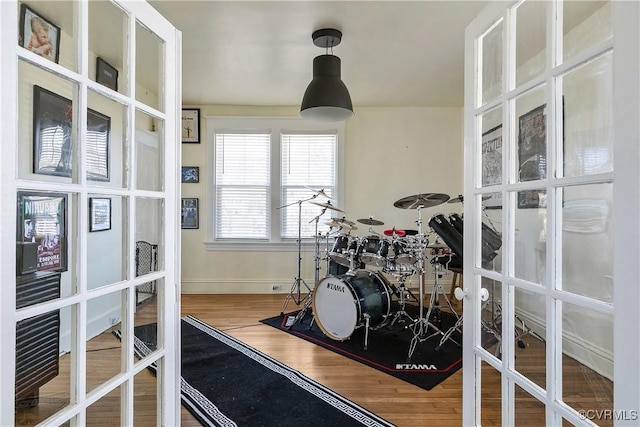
(169, 297)
(626, 215)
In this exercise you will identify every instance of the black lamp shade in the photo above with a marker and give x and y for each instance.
(326, 98)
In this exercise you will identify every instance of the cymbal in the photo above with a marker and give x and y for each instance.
(343, 220)
(327, 205)
(425, 200)
(392, 231)
(460, 199)
(437, 246)
(318, 192)
(344, 225)
(370, 221)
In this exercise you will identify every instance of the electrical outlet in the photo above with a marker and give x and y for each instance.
(275, 287)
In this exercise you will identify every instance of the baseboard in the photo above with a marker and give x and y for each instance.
(589, 354)
(278, 286)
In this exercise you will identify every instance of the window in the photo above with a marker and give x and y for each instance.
(264, 175)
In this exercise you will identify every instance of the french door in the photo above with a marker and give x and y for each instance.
(89, 191)
(551, 146)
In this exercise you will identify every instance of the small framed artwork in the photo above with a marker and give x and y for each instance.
(106, 75)
(42, 222)
(52, 137)
(99, 214)
(492, 164)
(38, 34)
(189, 213)
(532, 155)
(191, 125)
(190, 174)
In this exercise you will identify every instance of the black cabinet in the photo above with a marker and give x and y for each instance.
(37, 338)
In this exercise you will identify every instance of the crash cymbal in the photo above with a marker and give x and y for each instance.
(327, 205)
(370, 221)
(319, 192)
(425, 200)
(460, 199)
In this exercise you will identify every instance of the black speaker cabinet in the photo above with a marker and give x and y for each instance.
(27, 258)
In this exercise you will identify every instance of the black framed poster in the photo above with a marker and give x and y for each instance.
(52, 137)
(42, 221)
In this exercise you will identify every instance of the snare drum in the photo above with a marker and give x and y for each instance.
(340, 303)
(373, 251)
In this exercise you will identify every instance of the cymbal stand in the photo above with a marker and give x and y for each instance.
(421, 324)
(296, 293)
(317, 246)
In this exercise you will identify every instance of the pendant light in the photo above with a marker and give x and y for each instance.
(326, 98)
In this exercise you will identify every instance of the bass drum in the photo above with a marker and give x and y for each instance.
(340, 303)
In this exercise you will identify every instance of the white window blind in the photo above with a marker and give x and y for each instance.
(307, 161)
(242, 181)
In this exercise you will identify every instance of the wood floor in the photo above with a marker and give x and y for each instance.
(397, 401)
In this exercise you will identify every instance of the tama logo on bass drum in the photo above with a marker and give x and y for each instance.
(335, 287)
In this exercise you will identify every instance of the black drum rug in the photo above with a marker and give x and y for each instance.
(227, 383)
(388, 347)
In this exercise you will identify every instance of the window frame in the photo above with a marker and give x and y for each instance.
(276, 126)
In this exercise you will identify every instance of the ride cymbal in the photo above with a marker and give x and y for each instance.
(425, 200)
(327, 205)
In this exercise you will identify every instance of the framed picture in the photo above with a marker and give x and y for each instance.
(106, 75)
(38, 34)
(532, 155)
(42, 221)
(190, 214)
(190, 174)
(191, 125)
(99, 214)
(52, 140)
(492, 164)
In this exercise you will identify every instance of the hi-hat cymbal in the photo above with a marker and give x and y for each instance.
(425, 200)
(342, 224)
(327, 205)
(437, 246)
(370, 221)
(343, 220)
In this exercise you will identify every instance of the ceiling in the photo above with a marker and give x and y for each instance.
(394, 53)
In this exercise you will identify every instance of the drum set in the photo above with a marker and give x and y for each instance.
(356, 292)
